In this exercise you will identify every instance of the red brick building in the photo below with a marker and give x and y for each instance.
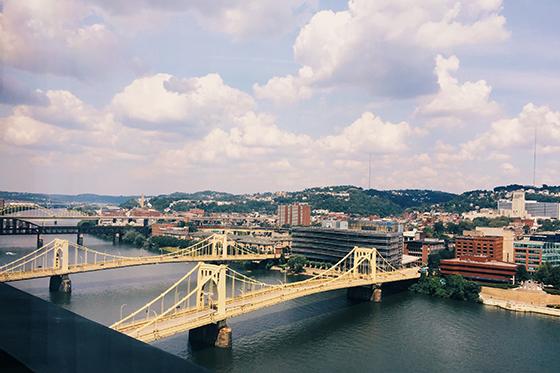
(296, 214)
(423, 248)
(481, 269)
(489, 247)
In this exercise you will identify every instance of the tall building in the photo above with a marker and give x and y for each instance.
(331, 245)
(508, 236)
(479, 246)
(518, 204)
(294, 215)
(518, 207)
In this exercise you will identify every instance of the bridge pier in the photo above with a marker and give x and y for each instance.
(211, 335)
(40, 242)
(365, 293)
(60, 283)
(80, 239)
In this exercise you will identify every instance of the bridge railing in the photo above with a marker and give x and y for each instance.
(40, 212)
(207, 290)
(59, 256)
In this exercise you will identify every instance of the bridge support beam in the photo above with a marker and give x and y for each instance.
(211, 335)
(40, 242)
(60, 283)
(80, 239)
(365, 293)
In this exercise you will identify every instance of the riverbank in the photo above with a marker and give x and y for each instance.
(521, 300)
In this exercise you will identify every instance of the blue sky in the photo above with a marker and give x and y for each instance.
(152, 97)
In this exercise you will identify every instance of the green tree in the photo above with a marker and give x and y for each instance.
(439, 229)
(521, 274)
(296, 263)
(435, 258)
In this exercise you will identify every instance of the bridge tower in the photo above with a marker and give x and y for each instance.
(365, 293)
(60, 283)
(213, 278)
(220, 245)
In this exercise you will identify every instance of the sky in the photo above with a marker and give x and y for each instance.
(157, 96)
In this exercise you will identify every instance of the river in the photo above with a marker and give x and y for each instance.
(323, 332)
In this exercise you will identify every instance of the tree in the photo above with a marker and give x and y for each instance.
(435, 258)
(296, 263)
(454, 286)
(439, 229)
(522, 274)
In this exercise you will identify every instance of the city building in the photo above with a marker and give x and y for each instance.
(294, 215)
(529, 254)
(375, 225)
(331, 245)
(536, 250)
(508, 236)
(171, 230)
(518, 207)
(474, 244)
(423, 248)
(335, 224)
(480, 269)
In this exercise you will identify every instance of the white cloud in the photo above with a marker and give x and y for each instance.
(162, 98)
(23, 131)
(54, 37)
(367, 134)
(284, 90)
(255, 137)
(455, 103)
(237, 18)
(517, 133)
(371, 43)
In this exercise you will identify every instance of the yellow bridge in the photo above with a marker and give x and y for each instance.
(209, 294)
(60, 257)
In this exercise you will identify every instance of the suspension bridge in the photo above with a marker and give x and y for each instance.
(209, 294)
(61, 258)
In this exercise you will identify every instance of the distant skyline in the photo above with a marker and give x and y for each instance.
(127, 97)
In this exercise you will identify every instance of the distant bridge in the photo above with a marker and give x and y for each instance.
(209, 294)
(36, 212)
(61, 258)
(18, 226)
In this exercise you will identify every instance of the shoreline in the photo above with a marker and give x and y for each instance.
(520, 307)
(520, 300)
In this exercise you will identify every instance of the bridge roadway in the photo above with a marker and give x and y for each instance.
(132, 262)
(182, 321)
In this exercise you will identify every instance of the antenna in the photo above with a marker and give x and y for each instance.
(369, 173)
(535, 158)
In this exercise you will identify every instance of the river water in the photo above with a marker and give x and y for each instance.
(323, 332)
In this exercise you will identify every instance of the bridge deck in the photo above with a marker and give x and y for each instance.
(133, 262)
(182, 321)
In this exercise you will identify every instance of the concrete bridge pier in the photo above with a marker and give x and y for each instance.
(40, 241)
(211, 335)
(80, 239)
(365, 293)
(60, 283)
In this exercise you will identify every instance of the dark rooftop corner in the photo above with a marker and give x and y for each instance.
(38, 336)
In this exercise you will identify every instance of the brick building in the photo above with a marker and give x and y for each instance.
(295, 214)
(476, 246)
(423, 248)
(479, 269)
